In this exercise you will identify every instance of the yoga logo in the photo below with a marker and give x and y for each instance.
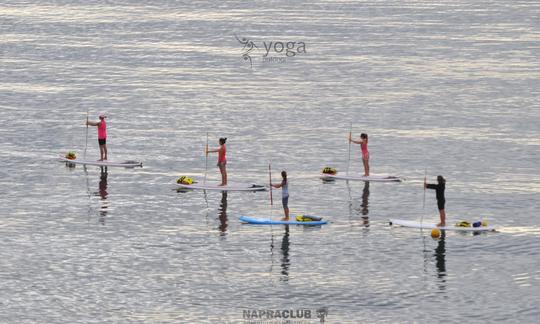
(271, 51)
(249, 46)
(322, 313)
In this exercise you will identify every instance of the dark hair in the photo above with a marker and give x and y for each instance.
(440, 179)
(363, 135)
(222, 140)
(284, 176)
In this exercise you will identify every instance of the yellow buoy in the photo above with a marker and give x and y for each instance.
(435, 233)
(484, 223)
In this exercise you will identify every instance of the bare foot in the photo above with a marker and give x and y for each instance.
(285, 219)
(222, 184)
(441, 225)
(100, 160)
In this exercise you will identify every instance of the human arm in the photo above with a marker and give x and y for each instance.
(218, 150)
(91, 123)
(214, 150)
(431, 186)
(355, 141)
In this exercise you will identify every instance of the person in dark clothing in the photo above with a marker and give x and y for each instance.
(439, 189)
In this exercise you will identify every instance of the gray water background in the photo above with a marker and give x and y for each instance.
(450, 87)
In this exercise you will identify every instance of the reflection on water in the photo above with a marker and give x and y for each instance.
(365, 201)
(102, 193)
(284, 261)
(440, 252)
(363, 208)
(103, 183)
(223, 214)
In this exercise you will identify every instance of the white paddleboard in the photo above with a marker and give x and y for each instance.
(379, 178)
(217, 187)
(125, 164)
(268, 221)
(425, 225)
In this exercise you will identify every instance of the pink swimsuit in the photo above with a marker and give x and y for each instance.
(221, 155)
(365, 153)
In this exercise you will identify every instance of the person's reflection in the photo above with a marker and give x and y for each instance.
(223, 214)
(285, 262)
(103, 183)
(440, 252)
(365, 199)
(364, 210)
(103, 194)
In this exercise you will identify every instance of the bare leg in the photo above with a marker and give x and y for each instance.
(442, 215)
(367, 163)
(101, 153)
(223, 171)
(286, 211)
(105, 151)
(366, 167)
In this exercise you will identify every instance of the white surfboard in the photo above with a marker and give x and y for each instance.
(379, 178)
(125, 164)
(217, 187)
(427, 225)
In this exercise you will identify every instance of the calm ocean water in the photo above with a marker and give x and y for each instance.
(451, 87)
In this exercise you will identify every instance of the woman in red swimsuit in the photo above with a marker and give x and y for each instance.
(222, 159)
(365, 154)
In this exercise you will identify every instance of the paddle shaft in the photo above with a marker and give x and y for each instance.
(424, 201)
(206, 158)
(425, 178)
(86, 137)
(270, 179)
(349, 158)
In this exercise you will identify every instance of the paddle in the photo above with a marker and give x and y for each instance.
(425, 179)
(86, 140)
(206, 158)
(349, 159)
(270, 178)
(424, 201)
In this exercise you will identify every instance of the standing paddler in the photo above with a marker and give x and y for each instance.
(222, 159)
(102, 135)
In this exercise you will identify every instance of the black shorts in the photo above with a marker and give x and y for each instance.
(440, 204)
(102, 141)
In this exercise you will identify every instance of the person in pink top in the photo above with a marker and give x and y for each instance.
(102, 135)
(222, 159)
(365, 153)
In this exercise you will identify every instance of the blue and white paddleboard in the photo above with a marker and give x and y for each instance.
(426, 225)
(267, 221)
